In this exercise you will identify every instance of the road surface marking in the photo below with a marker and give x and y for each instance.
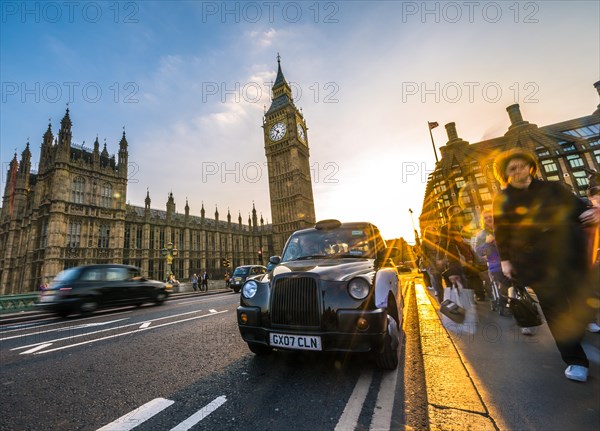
(212, 310)
(137, 416)
(89, 325)
(128, 332)
(201, 414)
(86, 334)
(349, 418)
(145, 325)
(382, 416)
(35, 349)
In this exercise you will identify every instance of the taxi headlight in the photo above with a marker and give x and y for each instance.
(358, 288)
(249, 289)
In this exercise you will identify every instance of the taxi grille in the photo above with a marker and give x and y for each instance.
(295, 302)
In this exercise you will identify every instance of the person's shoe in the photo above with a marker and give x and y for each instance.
(527, 331)
(593, 327)
(579, 373)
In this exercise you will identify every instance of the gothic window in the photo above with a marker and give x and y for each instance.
(103, 235)
(106, 195)
(152, 245)
(138, 237)
(480, 178)
(542, 151)
(162, 238)
(74, 234)
(549, 166)
(77, 189)
(582, 182)
(127, 240)
(485, 194)
(575, 161)
(567, 146)
(44, 234)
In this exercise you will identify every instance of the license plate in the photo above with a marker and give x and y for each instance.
(299, 342)
(238, 279)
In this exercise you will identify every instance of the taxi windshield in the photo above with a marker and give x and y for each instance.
(336, 243)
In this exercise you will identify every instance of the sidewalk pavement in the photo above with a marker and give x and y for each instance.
(454, 402)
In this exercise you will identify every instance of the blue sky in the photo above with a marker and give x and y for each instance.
(189, 82)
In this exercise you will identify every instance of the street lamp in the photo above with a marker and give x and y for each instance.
(169, 252)
(433, 125)
(417, 240)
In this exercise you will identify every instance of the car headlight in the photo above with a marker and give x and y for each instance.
(249, 289)
(358, 288)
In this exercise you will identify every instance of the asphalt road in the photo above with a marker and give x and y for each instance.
(183, 365)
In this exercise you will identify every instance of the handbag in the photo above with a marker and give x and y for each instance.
(451, 306)
(523, 307)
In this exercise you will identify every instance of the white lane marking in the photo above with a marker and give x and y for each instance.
(137, 416)
(128, 332)
(35, 349)
(212, 310)
(43, 327)
(89, 325)
(349, 418)
(201, 414)
(86, 334)
(145, 325)
(382, 416)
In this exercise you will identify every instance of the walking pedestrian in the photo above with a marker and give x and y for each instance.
(195, 282)
(539, 233)
(204, 281)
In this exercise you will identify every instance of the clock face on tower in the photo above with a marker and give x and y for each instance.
(301, 132)
(277, 131)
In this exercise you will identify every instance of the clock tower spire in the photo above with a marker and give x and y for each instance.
(288, 160)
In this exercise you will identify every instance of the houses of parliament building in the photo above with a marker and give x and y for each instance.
(73, 210)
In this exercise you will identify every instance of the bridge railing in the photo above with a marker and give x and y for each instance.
(16, 303)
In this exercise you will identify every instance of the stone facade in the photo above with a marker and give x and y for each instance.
(73, 211)
(567, 151)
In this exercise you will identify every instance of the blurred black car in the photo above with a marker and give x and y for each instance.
(84, 289)
(243, 273)
(334, 289)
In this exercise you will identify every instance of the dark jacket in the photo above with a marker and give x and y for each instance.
(538, 230)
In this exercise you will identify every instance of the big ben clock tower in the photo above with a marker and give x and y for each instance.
(286, 148)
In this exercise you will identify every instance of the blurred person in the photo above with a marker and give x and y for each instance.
(44, 286)
(593, 193)
(454, 221)
(541, 241)
(484, 236)
(195, 282)
(429, 254)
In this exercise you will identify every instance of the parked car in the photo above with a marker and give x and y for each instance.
(86, 288)
(243, 273)
(335, 288)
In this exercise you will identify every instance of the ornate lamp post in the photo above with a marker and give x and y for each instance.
(169, 252)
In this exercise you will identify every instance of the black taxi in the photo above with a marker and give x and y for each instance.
(335, 288)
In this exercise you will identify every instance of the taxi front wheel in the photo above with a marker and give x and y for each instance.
(387, 359)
